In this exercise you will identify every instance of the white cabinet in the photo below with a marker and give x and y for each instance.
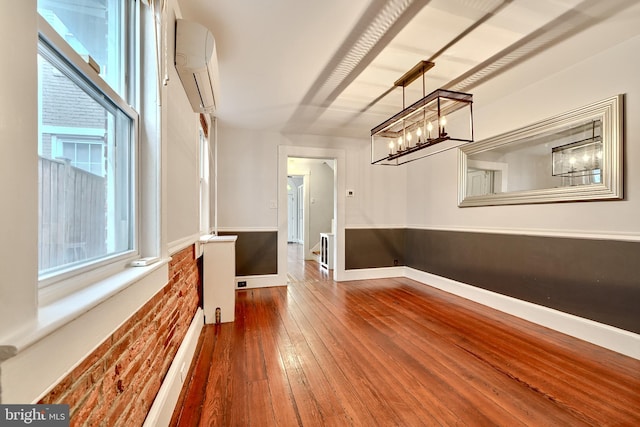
(219, 274)
(326, 251)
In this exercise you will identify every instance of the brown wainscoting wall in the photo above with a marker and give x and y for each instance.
(374, 247)
(256, 252)
(593, 279)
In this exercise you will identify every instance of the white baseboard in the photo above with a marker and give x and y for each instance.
(164, 404)
(606, 336)
(265, 281)
(373, 273)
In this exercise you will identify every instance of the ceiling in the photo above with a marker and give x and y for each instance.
(328, 67)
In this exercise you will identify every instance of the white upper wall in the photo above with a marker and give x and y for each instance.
(535, 90)
(248, 187)
(247, 178)
(182, 145)
(321, 192)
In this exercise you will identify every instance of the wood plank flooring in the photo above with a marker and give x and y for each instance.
(395, 352)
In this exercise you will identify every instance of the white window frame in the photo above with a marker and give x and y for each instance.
(205, 185)
(58, 285)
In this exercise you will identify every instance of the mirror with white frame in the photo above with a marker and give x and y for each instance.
(570, 157)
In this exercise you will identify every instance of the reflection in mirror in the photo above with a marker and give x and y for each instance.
(560, 158)
(577, 162)
(574, 156)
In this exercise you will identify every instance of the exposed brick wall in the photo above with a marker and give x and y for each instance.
(117, 383)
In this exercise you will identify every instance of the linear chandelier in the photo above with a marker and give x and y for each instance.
(443, 118)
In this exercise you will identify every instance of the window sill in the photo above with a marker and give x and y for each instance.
(56, 314)
(78, 323)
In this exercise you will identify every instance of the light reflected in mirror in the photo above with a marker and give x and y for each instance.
(573, 156)
(577, 161)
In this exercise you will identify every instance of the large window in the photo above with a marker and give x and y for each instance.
(87, 139)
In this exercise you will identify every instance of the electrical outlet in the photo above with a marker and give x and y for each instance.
(242, 284)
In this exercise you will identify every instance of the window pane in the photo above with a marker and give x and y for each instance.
(92, 27)
(82, 155)
(85, 196)
(69, 151)
(96, 153)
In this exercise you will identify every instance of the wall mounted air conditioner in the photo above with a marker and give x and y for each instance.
(197, 65)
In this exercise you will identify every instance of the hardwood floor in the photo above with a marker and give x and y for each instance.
(395, 352)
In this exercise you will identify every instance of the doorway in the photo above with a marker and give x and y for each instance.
(328, 162)
(311, 203)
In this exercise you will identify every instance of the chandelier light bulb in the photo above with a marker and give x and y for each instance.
(399, 143)
(443, 123)
(391, 145)
(429, 129)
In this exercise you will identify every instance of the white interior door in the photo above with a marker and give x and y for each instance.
(300, 214)
(292, 207)
(479, 182)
